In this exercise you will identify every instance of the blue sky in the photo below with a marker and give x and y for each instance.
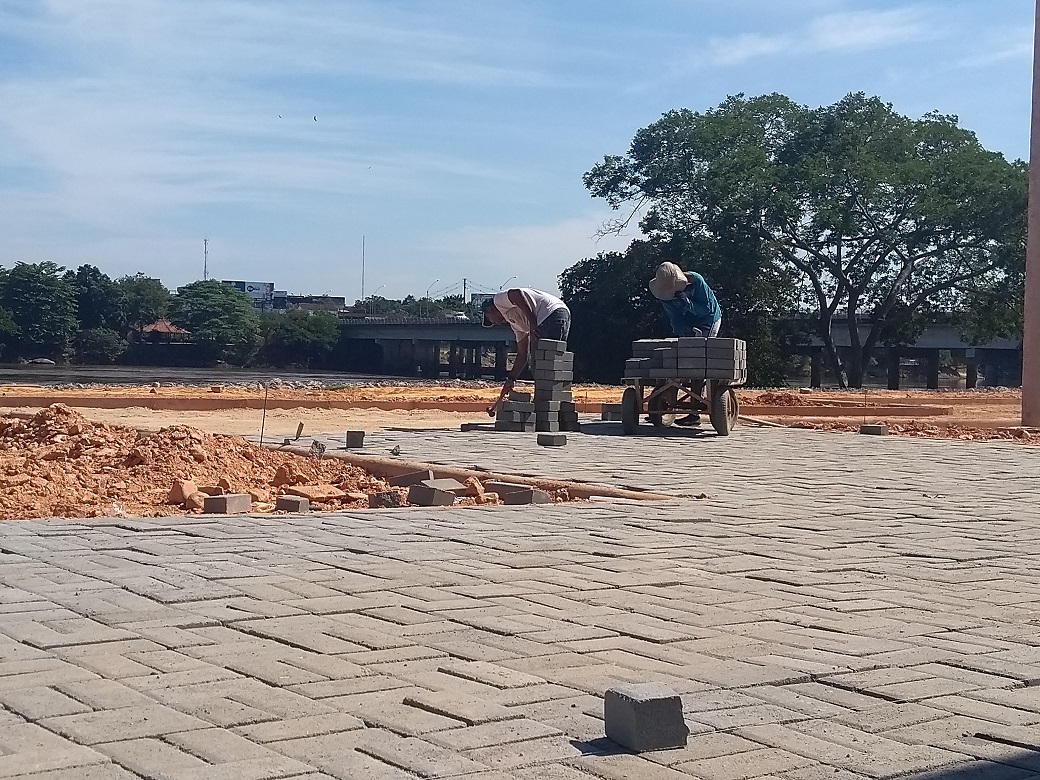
(450, 135)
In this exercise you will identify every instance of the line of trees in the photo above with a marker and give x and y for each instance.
(847, 210)
(85, 316)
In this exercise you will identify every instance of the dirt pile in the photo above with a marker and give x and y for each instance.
(59, 463)
(780, 398)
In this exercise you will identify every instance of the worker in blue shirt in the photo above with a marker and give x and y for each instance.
(687, 300)
(691, 308)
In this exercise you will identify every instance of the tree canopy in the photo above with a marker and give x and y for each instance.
(145, 300)
(876, 215)
(221, 319)
(297, 338)
(41, 303)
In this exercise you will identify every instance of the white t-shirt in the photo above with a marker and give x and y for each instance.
(541, 304)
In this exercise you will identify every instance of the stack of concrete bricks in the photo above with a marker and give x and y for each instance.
(516, 413)
(688, 358)
(553, 368)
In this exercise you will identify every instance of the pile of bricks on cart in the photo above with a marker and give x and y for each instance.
(551, 413)
(692, 357)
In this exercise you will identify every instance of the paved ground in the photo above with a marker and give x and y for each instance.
(838, 607)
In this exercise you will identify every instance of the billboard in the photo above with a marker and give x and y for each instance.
(262, 293)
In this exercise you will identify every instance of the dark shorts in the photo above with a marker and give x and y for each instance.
(555, 327)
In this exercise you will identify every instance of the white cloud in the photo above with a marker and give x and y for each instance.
(835, 32)
(864, 30)
(733, 51)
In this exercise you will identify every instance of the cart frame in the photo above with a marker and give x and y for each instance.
(668, 396)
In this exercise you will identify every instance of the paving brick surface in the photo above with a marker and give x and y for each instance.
(838, 607)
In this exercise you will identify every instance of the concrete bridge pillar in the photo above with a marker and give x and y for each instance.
(932, 369)
(453, 360)
(501, 353)
(893, 368)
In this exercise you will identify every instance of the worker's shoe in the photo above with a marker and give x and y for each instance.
(689, 421)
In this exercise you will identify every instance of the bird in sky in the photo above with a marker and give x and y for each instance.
(315, 119)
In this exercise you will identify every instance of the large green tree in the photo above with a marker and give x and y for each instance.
(298, 338)
(8, 328)
(876, 213)
(222, 320)
(99, 300)
(42, 304)
(144, 300)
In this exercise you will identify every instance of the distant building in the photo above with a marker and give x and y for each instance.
(331, 303)
(164, 330)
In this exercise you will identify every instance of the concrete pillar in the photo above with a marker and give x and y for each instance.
(971, 376)
(1031, 318)
(932, 368)
(410, 357)
(816, 368)
(453, 360)
(501, 353)
(893, 368)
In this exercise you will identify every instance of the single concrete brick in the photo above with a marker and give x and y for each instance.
(546, 406)
(424, 495)
(386, 500)
(548, 345)
(874, 429)
(516, 395)
(517, 406)
(552, 439)
(547, 426)
(504, 487)
(411, 478)
(292, 504)
(354, 439)
(528, 495)
(227, 504)
(644, 717)
(448, 483)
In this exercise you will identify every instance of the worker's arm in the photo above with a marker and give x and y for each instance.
(517, 299)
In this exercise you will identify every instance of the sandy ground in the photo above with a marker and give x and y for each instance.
(983, 409)
(280, 423)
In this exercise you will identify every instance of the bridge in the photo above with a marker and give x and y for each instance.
(999, 360)
(411, 346)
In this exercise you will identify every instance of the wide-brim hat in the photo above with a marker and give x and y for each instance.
(668, 280)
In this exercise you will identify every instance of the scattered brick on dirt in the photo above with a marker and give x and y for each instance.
(58, 463)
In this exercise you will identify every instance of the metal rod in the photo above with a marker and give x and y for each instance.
(1031, 316)
(263, 419)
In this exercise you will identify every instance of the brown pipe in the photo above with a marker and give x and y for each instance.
(392, 467)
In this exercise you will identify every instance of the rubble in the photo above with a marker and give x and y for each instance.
(59, 463)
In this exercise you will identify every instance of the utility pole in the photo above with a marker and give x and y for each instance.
(205, 259)
(464, 279)
(1031, 316)
(362, 268)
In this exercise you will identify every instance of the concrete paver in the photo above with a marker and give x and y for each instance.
(837, 606)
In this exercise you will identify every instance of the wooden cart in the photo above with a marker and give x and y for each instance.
(662, 399)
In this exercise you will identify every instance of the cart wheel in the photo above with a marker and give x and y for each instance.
(656, 407)
(724, 410)
(630, 403)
